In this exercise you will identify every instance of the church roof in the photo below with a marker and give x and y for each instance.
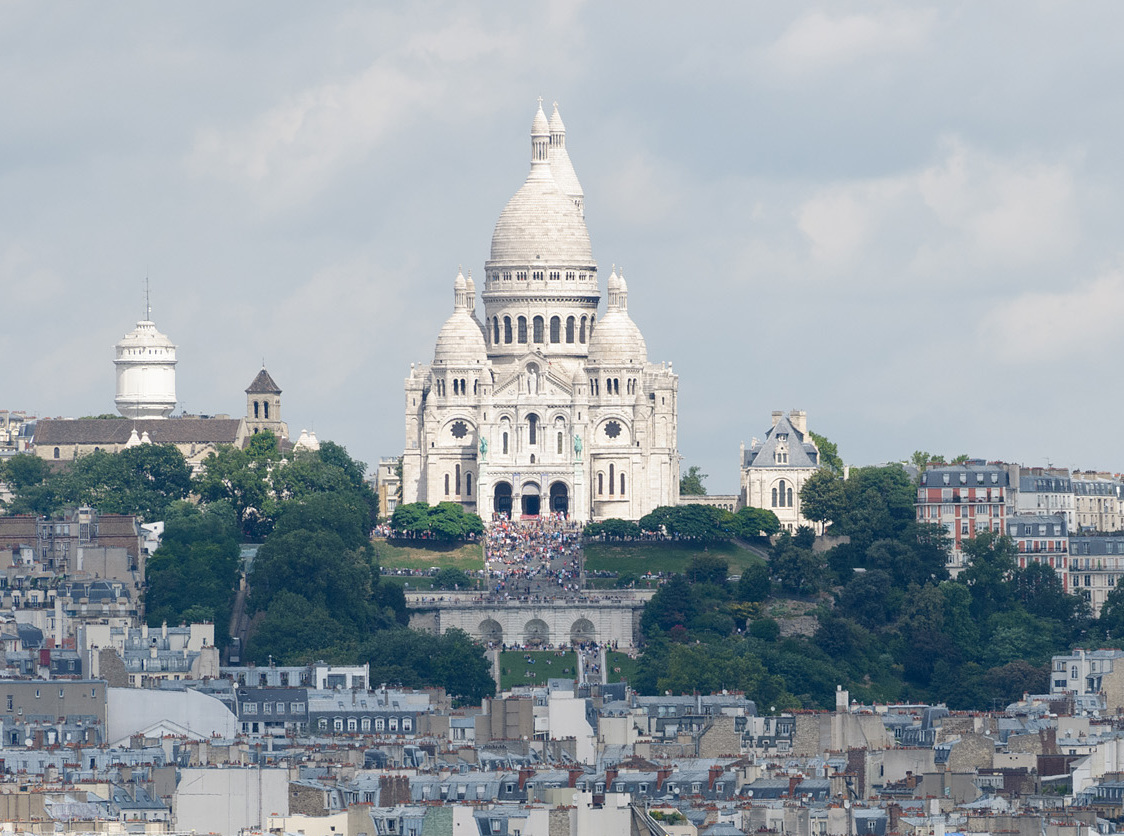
(616, 338)
(541, 225)
(108, 431)
(802, 451)
(263, 385)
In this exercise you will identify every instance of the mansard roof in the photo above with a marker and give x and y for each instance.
(802, 451)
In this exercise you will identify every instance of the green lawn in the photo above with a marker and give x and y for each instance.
(669, 556)
(515, 670)
(468, 557)
(615, 659)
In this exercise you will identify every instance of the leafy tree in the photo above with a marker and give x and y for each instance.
(193, 575)
(613, 529)
(754, 584)
(752, 522)
(691, 482)
(242, 478)
(23, 470)
(823, 498)
(706, 568)
(449, 578)
(450, 660)
(316, 565)
(444, 521)
(799, 571)
(1111, 620)
(990, 572)
(829, 454)
(765, 629)
(673, 605)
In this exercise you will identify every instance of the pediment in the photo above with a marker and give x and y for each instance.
(534, 376)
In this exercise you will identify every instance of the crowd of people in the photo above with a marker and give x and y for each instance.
(540, 557)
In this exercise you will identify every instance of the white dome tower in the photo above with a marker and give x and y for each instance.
(146, 371)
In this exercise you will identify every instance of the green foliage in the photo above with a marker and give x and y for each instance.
(691, 482)
(823, 497)
(690, 522)
(613, 529)
(194, 574)
(829, 454)
(453, 579)
(412, 659)
(708, 569)
(752, 522)
(899, 628)
(445, 521)
(143, 480)
(23, 470)
(754, 585)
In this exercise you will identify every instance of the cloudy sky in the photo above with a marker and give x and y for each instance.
(904, 219)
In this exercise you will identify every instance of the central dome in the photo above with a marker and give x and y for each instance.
(541, 225)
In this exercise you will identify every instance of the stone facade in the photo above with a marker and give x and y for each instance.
(542, 406)
(774, 470)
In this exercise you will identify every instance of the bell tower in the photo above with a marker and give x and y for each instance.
(263, 406)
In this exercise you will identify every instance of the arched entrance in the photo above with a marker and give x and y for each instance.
(501, 499)
(491, 631)
(582, 631)
(536, 632)
(532, 502)
(559, 498)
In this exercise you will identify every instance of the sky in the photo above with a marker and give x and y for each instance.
(902, 218)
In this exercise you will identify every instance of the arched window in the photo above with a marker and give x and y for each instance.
(532, 429)
(522, 329)
(446, 484)
(266, 405)
(555, 329)
(600, 484)
(774, 497)
(495, 330)
(789, 503)
(507, 329)
(569, 329)
(505, 443)
(612, 481)
(622, 484)
(475, 387)
(56, 452)
(560, 444)
(456, 386)
(780, 492)
(537, 329)
(468, 484)
(458, 480)
(581, 333)
(256, 404)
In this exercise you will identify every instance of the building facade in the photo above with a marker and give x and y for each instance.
(542, 406)
(966, 499)
(774, 470)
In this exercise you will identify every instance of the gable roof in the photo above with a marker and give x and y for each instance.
(116, 430)
(802, 451)
(263, 385)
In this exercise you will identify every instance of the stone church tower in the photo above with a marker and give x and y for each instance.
(263, 406)
(542, 406)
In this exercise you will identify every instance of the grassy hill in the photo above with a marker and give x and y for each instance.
(640, 557)
(429, 554)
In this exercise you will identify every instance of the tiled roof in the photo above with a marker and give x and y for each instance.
(802, 452)
(116, 430)
(263, 385)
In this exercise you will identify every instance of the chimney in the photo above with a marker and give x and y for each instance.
(610, 776)
(574, 775)
(894, 813)
(776, 416)
(714, 774)
(793, 782)
(799, 419)
(524, 774)
(662, 774)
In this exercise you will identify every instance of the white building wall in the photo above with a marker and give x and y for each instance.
(227, 800)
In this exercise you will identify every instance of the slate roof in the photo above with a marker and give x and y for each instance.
(802, 452)
(116, 430)
(263, 385)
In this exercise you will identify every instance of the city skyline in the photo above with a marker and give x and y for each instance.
(896, 219)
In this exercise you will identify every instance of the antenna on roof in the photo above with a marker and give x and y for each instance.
(147, 300)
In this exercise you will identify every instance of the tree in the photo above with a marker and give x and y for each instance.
(752, 522)
(691, 483)
(829, 454)
(23, 470)
(672, 606)
(708, 568)
(823, 497)
(990, 572)
(754, 585)
(799, 571)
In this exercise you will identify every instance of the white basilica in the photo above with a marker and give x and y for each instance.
(542, 406)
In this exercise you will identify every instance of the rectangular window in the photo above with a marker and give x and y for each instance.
(249, 708)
